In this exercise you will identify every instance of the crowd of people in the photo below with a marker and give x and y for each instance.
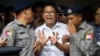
(46, 29)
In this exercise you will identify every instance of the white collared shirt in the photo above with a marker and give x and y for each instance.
(48, 49)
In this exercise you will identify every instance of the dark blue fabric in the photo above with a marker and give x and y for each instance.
(97, 31)
(21, 5)
(61, 8)
(74, 9)
(9, 50)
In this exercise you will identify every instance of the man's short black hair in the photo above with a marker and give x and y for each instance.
(37, 4)
(49, 4)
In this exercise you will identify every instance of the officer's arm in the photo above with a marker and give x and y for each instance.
(9, 33)
(37, 48)
(65, 46)
(84, 44)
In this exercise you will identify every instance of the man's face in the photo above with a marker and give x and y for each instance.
(97, 16)
(76, 19)
(38, 12)
(29, 14)
(62, 18)
(49, 15)
(11, 16)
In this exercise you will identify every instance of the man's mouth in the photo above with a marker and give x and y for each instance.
(49, 18)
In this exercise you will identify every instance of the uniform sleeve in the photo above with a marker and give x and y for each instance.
(84, 44)
(9, 33)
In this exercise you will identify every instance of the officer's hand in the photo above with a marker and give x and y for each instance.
(41, 38)
(54, 38)
(36, 44)
(87, 55)
(37, 48)
(65, 39)
(71, 27)
(3, 42)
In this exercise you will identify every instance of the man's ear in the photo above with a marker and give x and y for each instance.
(80, 17)
(25, 11)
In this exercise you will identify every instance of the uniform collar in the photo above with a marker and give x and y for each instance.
(55, 26)
(16, 21)
(83, 25)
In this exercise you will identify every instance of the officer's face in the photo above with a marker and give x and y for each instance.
(76, 19)
(49, 15)
(97, 16)
(29, 14)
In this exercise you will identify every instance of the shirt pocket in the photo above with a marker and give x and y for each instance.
(23, 35)
(23, 39)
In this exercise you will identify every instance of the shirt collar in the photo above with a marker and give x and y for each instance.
(55, 26)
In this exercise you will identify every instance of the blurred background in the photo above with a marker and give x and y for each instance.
(93, 3)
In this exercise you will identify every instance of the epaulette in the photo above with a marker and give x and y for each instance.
(11, 23)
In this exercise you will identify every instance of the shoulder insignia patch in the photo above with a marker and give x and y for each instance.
(8, 32)
(89, 34)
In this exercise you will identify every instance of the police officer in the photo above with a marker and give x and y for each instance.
(60, 12)
(81, 32)
(19, 32)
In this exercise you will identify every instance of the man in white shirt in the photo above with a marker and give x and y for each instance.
(50, 34)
